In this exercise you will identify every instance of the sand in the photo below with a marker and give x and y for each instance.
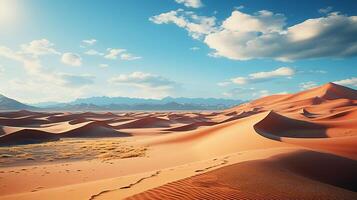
(276, 147)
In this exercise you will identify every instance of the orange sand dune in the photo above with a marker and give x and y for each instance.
(27, 136)
(298, 175)
(93, 129)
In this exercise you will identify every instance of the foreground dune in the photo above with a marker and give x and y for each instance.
(271, 148)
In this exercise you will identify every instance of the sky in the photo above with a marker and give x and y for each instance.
(239, 49)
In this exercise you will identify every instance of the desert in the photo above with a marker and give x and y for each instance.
(283, 146)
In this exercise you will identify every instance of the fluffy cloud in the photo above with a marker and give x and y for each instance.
(191, 3)
(93, 52)
(264, 34)
(348, 82)
(264, 76)
(307, 85)
(89, 42)
(141, 79)
(197, 26)
(71, 59)
(71, 80)
(39, 47)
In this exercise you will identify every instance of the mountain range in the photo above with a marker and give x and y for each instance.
(124, 103)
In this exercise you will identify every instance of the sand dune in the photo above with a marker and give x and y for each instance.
(27, 136)
(93, 129)
(297, 175)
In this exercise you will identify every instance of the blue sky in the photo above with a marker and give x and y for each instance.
(63, 50)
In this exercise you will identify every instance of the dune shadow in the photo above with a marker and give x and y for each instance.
(323, 167)
(275, 126)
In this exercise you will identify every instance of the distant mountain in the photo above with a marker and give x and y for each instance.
(11, 104)
(126, 103)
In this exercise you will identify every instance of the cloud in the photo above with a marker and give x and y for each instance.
(39, 47)
(71, 59)
(191, 3)
(89, 42)
(71, 80)
(93, 52)
(264, 76)
(144, 80)
(197, 26)
(113, 54)
(128, 56)
(325, 10)
(307, 85)
(194, 48)
(224, 83)
(265, 34)
(41, 80)
(348, 82)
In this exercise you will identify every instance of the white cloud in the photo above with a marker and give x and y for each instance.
(42, 80)
(348, 82)
(330, 36)
(264, 34)
(128, 56)
(71, 59)
(142, 79)
(39, 47)
(89, 42)
(197, 26)
(307, 85)
(225, 83)
(93, 52)
(113, 53)
(325, 10)
(103, 65)
(194, 48)
(264, 76)
(191, 3)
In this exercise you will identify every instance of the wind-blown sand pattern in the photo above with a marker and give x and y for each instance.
(294, 146)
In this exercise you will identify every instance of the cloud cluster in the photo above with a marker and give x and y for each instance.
(144, 80)
(348, 82)
(264, 34)
(39, 47)
(264, 76)
(190, 3)
(113, 54)
(196, 25)
(71, 59)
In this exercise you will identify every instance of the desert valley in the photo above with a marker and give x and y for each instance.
(288, 146)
